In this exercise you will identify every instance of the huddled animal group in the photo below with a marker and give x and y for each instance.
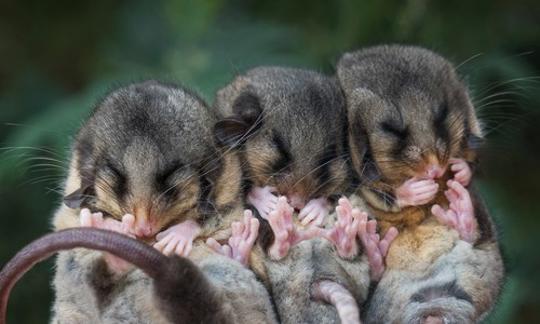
(295, 198)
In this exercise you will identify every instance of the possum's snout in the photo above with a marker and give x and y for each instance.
(296, 201)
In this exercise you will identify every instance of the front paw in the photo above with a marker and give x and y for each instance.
(462, 171)
(416, 192)
(314, 212)
(95, 220)
(263, 199)
(178, 239)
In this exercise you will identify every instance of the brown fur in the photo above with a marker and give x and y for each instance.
(407, 108)
(122, 128)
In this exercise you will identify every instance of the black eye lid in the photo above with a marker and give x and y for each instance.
(441, 114)
(171, 169)
(113, 169)
(392, 128)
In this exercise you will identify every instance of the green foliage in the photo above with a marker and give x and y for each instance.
(58, 58)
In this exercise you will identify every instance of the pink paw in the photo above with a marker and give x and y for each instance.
(462, 171)
(263, 199)
(286, 234)
(416, 192)
(343, 235)
(314, 212)
(241, 241)
(95, 220)
(460, 215)
(375, 248)
(178, 239)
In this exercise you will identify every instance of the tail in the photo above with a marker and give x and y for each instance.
(440, 304)
(176, 279)
(335, 294)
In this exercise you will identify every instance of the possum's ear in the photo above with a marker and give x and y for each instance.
(474, 142)
(78, 198)
(246, 120)
(230, 132)
(363, 104)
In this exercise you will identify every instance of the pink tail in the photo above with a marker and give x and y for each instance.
(335, 294)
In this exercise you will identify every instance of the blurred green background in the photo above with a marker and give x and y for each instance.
(58, 57)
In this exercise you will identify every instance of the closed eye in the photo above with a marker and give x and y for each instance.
(284, 159)
(120, 181)
(169, 172)
(390, 128)
(441, 115)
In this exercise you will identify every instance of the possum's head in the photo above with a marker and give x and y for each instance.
(148, 150)
(290, 127)
(408, 112)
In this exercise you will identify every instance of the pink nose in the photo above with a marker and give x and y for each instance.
(434, 171)
(143, 229)
(296, 201)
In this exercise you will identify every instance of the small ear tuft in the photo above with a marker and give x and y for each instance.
(77, 198)
(474, 142)
(230, 132)
(248, 107)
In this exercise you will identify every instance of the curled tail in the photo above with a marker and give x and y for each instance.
(337, 295)
(440, 304)
(182, 291)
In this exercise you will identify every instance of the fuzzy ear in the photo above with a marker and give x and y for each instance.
(78, 198)
(474, 142)
(248, 107)
(230, 132)
(235, 130)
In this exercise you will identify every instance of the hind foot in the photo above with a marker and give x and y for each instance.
(126, 226)
(375, 248)
(345, 230)
(286, 234)
(460, 215)
(241, 241)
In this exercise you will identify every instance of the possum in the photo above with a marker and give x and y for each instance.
(144, 164)
(289, 126)
(413, 140)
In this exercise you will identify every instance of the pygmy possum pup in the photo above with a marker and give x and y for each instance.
(144, 161)
(290, 127)
(413, 139)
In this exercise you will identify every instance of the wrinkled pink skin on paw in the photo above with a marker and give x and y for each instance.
(343, 234)
(460, 213)
(462, 171)
(375, 248)
(241, 242)
(314, 212)
(178, 239)
(416, 192)
(263, 199)
(353, 223)
(286, 234)
(421, 190)
(88, 219)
